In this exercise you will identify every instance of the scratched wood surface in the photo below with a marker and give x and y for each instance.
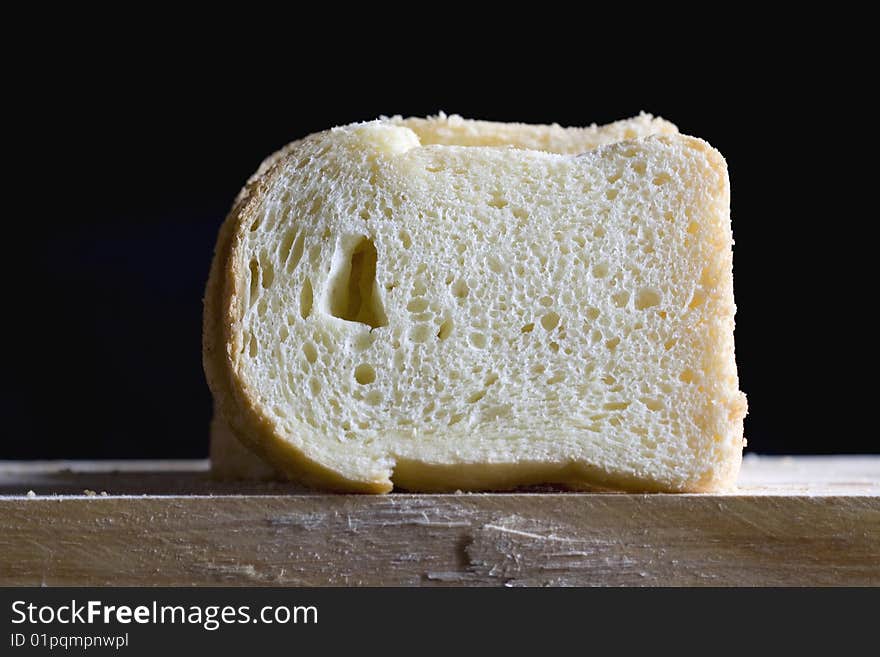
(794, 521)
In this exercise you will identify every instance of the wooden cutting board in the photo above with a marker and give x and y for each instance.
(793, 521)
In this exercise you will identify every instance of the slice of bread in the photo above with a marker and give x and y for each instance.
(230, 459)
(383, 310)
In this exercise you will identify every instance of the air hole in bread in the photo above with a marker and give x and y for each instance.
(268, 270)
(550, 321)
(310, 352)
(254, 268)
(455, 418)
(306, 299)
(364, 374)
(315, 387)
(460, 289)
(698, 299)
(445, 329)
(497, 201)
(652, 404)
(354, 296)
(475, 397)
(291, 250)
(646, 298)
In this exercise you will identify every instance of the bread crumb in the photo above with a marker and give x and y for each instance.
(89, 493)
(31, 493)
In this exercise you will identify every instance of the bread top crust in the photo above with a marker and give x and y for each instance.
(553, 138)
(240, 405)
(456, 131)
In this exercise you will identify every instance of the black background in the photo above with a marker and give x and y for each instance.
(128, 150)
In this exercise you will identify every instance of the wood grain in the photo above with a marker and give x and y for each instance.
(795, 521)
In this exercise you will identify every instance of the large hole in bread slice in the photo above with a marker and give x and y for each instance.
(353, 293)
